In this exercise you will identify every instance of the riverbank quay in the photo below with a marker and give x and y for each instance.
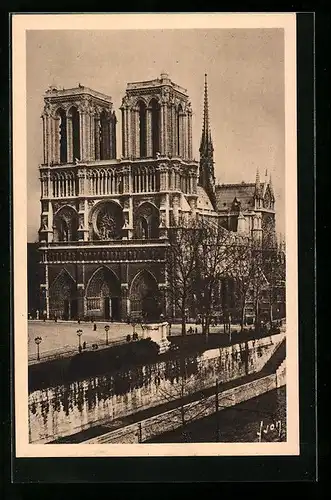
(145, 425)
(60, 339)
(121, 356)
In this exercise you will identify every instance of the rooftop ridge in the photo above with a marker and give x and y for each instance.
(156, 82)
(237, 184)
(53, 92)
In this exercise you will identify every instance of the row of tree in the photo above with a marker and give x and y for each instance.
(203, 257)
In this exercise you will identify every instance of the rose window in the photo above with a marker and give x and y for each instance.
(107, 222)
(106, 225)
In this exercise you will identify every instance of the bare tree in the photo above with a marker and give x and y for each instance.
(242, 272)
(181, 261)
(216, 256)
(274, 265)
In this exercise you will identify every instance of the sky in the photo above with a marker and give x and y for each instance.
(245, 69)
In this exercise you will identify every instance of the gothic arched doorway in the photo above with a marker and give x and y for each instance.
(62, 297)
(144, 297)
(103, 295)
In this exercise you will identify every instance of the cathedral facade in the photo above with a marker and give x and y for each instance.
(104, 219)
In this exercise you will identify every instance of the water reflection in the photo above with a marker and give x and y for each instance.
(64, 410)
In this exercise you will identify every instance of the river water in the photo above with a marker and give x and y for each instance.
(64, 410)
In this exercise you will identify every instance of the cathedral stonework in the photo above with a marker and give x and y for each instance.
(104, 220)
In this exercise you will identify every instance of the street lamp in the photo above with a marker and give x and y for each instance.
(38, 341)
(79, 333)
(106, 330)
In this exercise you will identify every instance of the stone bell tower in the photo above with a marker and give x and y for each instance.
(157, 120)
(79, 131)
(78, 124)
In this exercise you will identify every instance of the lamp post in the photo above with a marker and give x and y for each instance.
(106, 330)
(79, 333)
(38, 341)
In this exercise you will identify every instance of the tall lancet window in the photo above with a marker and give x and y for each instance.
(63, 135)
(155, 127)
(104, 136)
(178, 131)
(75, 133)
(142, 129)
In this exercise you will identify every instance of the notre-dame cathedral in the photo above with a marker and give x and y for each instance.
(104, 219)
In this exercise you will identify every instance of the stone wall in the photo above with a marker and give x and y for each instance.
(173, 419)
(63, 410)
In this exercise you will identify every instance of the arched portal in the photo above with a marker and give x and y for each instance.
(61, 116)
(146, 222)
(155, 107)
(142, 129)
(65, 225)
(103, 295)
(144, 297)
(74, 113)
(62, 297)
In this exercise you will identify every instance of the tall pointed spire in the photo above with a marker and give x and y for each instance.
(206, 170)
(206, 140)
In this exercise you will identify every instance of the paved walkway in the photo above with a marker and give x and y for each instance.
(60, 338)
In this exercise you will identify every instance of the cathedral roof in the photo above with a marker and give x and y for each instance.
(243, 192)
(203, 202)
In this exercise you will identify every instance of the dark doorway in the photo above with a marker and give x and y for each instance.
(66, 309)
(73, 307)
(106, 308)
(115, 308)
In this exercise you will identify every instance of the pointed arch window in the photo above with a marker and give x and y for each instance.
(63, 153)
(104, 136)
(75, 133)
(142, 129)
(178, 127)
(155, 109)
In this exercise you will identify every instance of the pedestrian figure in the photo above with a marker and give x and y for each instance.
(128, 338)
(84, 345)
(196, 330)
(79, 321)
(94, 327)
(37, 314)
(80, 348)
